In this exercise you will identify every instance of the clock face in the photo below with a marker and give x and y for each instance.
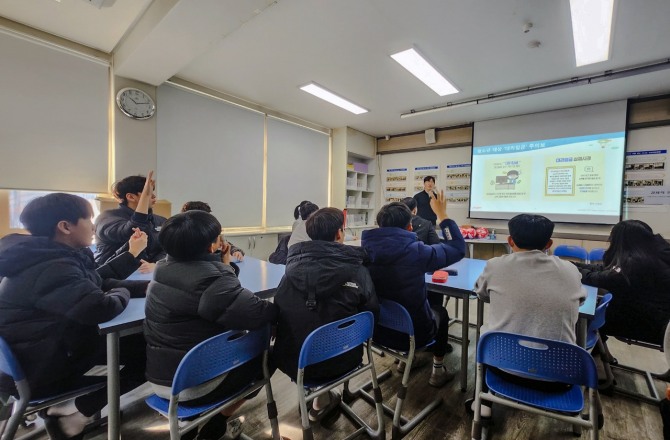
(135, 103)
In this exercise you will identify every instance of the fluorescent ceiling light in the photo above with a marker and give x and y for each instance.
(329, 96)
(419, 67)
(591, 30)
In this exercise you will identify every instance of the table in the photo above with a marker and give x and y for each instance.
(461, 286)
(261, 277)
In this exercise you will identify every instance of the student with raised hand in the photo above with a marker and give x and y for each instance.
(531, 293)
(236, 252)
(636, 270)
(398, 265)
(325, 281)
(113, 227)
(424, 230)
(51, 300)
(195, 295)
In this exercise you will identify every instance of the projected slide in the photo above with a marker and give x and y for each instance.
(567, 179)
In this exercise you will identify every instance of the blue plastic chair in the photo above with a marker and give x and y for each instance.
(24, 404)
(327, 342)
(596, 255)
(571, 252)
(542, 359)
(592, 335)
(394, 316)
(209, 360)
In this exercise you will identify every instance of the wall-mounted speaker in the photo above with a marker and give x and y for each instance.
(430, 136)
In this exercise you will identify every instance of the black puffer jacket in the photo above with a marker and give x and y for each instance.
(640, 307)
(51, 300)
(191, 301)
(114, 227)
(341, 286)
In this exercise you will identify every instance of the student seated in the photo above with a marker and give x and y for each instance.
(531, 293)
(398, 264)
(236, 252)
(636, 270)
(301, 214)
(195, 294)
(324, 281)
(51, 300)
(113, 227)
(424, 230)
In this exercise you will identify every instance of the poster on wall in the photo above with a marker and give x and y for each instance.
(457, 181)
(421, 172)
(395, 184)
(646, 183)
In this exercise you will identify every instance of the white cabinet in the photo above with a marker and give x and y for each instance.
(360, 191)
(255, 245)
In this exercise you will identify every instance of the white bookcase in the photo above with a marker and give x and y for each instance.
(360, 191)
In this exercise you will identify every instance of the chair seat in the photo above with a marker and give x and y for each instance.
(184, 410)
(569, 401)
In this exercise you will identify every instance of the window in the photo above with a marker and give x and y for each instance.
(19, 199)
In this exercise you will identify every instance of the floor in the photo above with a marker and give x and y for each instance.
(624, 418)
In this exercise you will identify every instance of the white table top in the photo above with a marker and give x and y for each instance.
(261, 277)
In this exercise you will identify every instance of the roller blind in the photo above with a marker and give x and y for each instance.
(297, 169)
(53, 118)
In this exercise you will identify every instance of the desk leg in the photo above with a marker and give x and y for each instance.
(465, 325)
(113, 388)
(582, 324)
(471, 250)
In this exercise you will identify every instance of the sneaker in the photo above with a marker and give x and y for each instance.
(234, 430)
(318, 415)
(440, 376)
(418, 362)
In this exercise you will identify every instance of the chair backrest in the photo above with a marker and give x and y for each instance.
(596, 255)
(538, 358)
(219, 354)
(8, 363)
(576, 252)
(335, 338)
(597, 321)
(394, 316)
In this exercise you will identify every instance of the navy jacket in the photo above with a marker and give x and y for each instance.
(398, 265)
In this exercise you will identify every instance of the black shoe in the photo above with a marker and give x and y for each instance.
(450, 348)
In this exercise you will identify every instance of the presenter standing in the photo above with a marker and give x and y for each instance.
(423, 200)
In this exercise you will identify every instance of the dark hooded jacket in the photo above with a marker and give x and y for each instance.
(333, 276)
(114, 227)
(398, 266)
(191, 301)
(424, 230)
(51, 300)
(640, 306)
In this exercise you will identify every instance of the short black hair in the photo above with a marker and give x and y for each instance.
(324, 224)
(395, 214)
(410, 202)
(41, 215)
(306, 209)
(131, 184)
(186, 235)
(201, 206)
(530, 231)
(427, 178)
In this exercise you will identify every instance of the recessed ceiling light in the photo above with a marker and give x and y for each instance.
(331, 97)
(591, 30)
(411, 60)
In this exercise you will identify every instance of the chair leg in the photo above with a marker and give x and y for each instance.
(19, 407)
(476, 420)
(272, 411)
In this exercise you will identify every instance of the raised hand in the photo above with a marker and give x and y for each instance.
(144, 203)
(225, 251)
(439, 206)
(138, 242)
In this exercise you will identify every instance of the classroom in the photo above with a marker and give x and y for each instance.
(220, 100)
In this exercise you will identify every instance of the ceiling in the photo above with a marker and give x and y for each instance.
(262, 51)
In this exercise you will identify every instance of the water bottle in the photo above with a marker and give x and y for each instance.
(492, 235)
